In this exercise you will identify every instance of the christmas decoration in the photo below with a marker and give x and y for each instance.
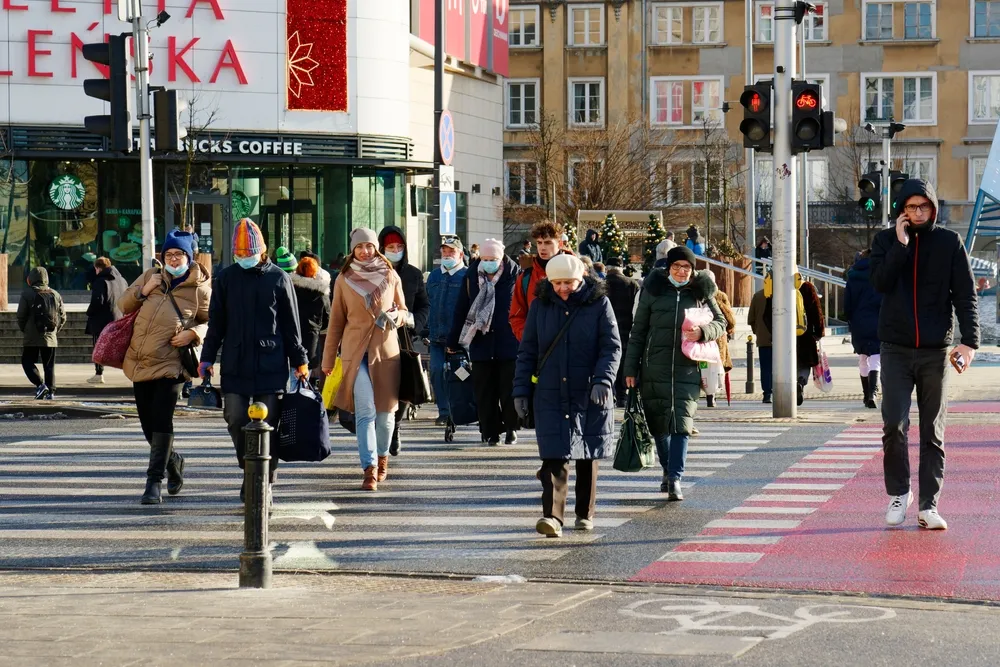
(613, 243)
(316, 67)
(574, 240)
(654, 235)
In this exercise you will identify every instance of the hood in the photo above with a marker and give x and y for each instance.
(319, 283)
(911, 187)
(110, 274)
(591, 236)
(861, 270)
(381, 242)
(39, 277)
(701, 285)
(591, 291)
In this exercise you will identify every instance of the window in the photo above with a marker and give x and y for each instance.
(586, 99)
(583, 175)
(813, 24)
(986, 19)
(586, 25)
(668, 100)
(707, 23)
(879, 98)
(921, 167)
(522, 182)
(668, 27)
(523, 30)
(818, 175)
(689, 182)
(878, 20)
(705, 103)
(977, 167)
(522, 102)
(985, 93)
(918, 99)
(917, 20)
(765, 22)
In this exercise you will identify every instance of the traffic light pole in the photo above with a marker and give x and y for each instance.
(886, 185)
(140, 41)
(783, 304)
(804, 161)
(751, 181)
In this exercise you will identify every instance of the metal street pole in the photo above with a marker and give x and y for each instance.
(804, 176)
(886, 186)
(438, 112)
(783, 310)
(140, 43)
(750, 202)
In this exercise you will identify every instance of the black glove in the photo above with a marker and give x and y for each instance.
(521, 406)
(600, 394)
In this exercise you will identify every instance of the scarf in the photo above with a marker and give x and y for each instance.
(480, 317)
(370, 279)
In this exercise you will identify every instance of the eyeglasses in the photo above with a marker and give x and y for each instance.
(681, 267)
(174, 255)
(913, 208)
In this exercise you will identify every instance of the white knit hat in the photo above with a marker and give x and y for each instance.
(363, 235)
(564, 267)
(491, 248)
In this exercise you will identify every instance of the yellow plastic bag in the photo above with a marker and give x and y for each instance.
(332, 384)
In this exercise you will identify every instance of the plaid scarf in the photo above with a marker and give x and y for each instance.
(370, 279)
(480, 317)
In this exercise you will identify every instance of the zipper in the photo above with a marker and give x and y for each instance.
(673, 366)
(916, 257)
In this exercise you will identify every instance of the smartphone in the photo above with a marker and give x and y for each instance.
(958, 362)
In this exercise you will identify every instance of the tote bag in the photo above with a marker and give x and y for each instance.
(112, 344)
(822, 377)
(414, 384)
(332, 384)
(635, 444)
(304, 430)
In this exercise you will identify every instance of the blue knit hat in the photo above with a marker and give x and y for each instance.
(178, 240)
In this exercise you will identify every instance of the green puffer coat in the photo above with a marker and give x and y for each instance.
(670, 383)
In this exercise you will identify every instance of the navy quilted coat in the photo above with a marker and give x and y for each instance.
(568, 425)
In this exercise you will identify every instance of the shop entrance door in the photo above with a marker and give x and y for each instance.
(211, 217)
(290, 223)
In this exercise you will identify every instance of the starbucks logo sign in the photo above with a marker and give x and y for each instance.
(67, 192)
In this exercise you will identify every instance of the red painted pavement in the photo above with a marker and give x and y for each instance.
(845, 545)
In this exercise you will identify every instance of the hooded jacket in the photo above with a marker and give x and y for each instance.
(443, 288)
(924, 282)
(499, 344)
(862, 304)
(312, 296)
(621, 292)
(412, 280)
(39, 278)
(590, 247)
(106, 288)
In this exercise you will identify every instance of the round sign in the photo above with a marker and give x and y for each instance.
(241, 205)
(67, 192)
(446, 137)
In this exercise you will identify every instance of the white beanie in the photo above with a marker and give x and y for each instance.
(564, 267)
(663, 248)
(491, 248)
(363, 235)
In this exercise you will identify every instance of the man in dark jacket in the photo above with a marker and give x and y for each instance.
(862, 304)
(622, 291)
(40, 316)
(590, 247)
(924, 273)
(392, 244)
(443, 287)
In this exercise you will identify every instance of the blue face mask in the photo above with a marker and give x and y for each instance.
(249, 262)
(490, 266)
(177, 271)
(394, 257)
(677, 283)
(449, 263)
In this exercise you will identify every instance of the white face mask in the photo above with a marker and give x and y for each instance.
(394, 256)
(177, 271)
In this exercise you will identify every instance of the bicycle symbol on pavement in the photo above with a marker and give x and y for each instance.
(701, 616)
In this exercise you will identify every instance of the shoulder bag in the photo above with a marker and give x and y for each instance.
(188, 353)
(414, 384)
(112, 344)
(529, 419)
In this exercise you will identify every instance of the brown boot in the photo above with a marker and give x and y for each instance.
(370, 484)
(383, 468)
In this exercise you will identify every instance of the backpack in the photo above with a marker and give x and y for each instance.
(525, 281)
(45, 311)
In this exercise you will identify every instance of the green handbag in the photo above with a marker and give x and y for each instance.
(635, 450)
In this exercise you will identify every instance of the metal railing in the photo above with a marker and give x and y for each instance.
(837, 213)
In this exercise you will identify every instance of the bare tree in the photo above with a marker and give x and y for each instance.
(201, 116)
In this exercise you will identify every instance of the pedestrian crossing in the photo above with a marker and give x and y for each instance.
(72, 500)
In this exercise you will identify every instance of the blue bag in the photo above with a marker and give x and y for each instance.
(304, 431)
(461, 397)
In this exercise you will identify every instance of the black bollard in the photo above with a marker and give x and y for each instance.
(750, 383)
(255, 561)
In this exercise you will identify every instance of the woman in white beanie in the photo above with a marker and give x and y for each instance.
(566, 369)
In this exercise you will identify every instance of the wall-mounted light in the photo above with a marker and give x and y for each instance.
(496, 191)
(475, 189)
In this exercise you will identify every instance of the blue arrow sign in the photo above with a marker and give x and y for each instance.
(448, 213)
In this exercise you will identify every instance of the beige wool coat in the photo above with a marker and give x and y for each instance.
(150, 355)
(353, 333)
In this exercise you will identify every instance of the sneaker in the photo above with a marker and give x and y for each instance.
(695, 431)
(584, 524)
(97, 379)
(931, 520)
(40, 392)
(549, 527)
(511, 438)
(49, 395)
(896, 513)
(493, 441)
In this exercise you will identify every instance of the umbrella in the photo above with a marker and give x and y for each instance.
(729, 390)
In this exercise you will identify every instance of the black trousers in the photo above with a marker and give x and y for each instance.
(493, 382)
(555, 488)
(235, 414)
(99, 369)
(29, 355)
(156, 401)
(621, 391)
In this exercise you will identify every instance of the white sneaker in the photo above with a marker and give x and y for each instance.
(97, 379)
(584, 524)
(896, 513)
(549, 527)
(931, 520)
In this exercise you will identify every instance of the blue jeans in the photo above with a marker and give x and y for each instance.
(374, 428)
(672, 451)
(438, 381)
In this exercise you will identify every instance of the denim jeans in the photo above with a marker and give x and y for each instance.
(766, 368)
(374, 428)
(672, 452)
(438, 380)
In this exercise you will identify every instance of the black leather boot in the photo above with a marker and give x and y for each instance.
(674, 490)
(159, 453)
(873, 387)
(866, 385)
(175, 473)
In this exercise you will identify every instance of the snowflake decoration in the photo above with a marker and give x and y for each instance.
(300, 65)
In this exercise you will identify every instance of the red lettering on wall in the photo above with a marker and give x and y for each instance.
(65, 10)
(175, 59)
(34, 52)
(7, 5)
(107, 6)
(215, 8)
(233, 63)
(76, 48)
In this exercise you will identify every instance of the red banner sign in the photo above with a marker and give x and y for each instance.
(480, 25)
(316, 31)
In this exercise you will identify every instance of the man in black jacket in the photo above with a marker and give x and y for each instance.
(925, 276)
(622, 291)
(392, 244)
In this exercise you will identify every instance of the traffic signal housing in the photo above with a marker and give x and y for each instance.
(756, 125)
(871, 194)
(168, 121)
(807, 116)
(116, 89)
(896, 180)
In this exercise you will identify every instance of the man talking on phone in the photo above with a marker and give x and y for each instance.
(925, 276)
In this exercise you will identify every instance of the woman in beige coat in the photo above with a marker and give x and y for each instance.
(153, 362)
(368, 306)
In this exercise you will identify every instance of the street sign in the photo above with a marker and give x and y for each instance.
(447, 213)
(446, 137)
(446, 178)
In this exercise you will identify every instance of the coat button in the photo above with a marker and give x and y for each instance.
(567, 313)
(564, 379)
(567, 416)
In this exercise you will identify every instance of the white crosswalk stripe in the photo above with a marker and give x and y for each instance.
(76, 497)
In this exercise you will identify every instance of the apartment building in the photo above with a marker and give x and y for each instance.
(671, 65)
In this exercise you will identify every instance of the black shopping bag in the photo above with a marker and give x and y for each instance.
(414, 384)
(304, 431)
(205, 396)
(635, 444)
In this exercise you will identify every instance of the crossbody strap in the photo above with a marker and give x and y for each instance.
(177, 309)
(552, 346)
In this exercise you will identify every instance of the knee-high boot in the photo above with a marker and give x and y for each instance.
(159, 453)
(866, 385)
(175, 473)
(872, 390)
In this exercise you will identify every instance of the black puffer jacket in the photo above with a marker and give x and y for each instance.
(313, 298)
(414, 290)
(621, 293)
(924, 282)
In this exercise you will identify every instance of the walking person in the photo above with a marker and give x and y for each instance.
(40, 316)
(546, 235)
(590, 247)
(571, 345)
(312, 297)
(807, 342)
(392, 244)
(254, 322)
(525, 250)
(759, 319)
(443, 287)
(153, 362)
(106, 288)
(862, 304)
(713, 375)
(480, 325)
(670, 382)
(622, 293)
(368, 307)
(695, 241)
(925, 277)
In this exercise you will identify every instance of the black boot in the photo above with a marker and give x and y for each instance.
(710, 400)
(159, 453)
(799, 393)
(674, 490)
(865, 385)
(394, 443)
(873, 390)
(175, 473)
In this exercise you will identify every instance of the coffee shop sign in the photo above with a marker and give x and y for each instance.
(244, 147)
